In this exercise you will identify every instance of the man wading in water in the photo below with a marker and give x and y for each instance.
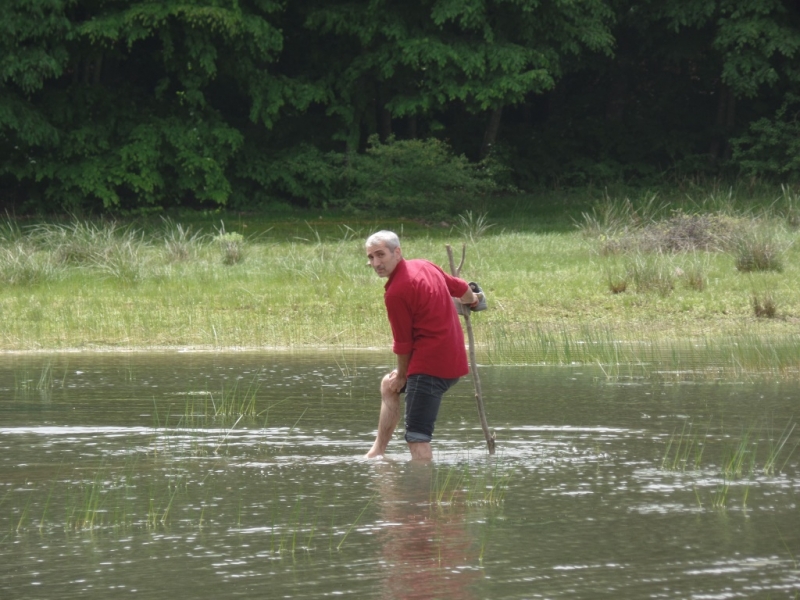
(428, 341)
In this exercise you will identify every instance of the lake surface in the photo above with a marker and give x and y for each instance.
(158, 475)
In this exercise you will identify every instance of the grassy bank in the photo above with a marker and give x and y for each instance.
(621, 281)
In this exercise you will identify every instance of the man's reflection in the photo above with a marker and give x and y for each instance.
(427, 550)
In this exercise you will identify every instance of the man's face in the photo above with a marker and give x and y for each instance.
(382, 259)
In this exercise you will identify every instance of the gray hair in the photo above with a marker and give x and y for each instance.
(387, 237)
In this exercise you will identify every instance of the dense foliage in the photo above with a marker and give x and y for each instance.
(141, 105)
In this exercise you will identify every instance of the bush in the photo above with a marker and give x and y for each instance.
(231, 245)
(771, 147)
(416, 177)
(410, 177)
(684, 232)
(302, 173)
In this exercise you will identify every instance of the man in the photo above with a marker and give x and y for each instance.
(428, 342)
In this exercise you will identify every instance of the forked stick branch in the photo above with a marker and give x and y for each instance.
(473, 363)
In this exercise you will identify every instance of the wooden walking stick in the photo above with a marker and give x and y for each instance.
(476, 380)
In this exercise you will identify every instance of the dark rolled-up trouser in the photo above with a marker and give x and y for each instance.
(423, 398)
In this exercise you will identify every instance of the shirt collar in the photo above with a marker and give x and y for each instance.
(400, 265)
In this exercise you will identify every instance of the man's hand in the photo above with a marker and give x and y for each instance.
(396, 381)
(474, 298)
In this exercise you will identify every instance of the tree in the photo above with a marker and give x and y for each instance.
(33, 48)
(423, 57)
(142, 100)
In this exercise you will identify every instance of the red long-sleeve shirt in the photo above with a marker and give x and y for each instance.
(424, 321)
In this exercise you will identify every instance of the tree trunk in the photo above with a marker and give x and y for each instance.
(615, 103)
(730, 122)
(412, 127)
(723, 124)
(490, 135)
(383, 116)
(98, 70)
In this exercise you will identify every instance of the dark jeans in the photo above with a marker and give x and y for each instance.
(423, 398)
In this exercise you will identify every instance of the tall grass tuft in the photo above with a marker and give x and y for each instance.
(776, 446)
(462, 484)
(124, 261)
(472, 227)
(236, 402)
(614, 218)
(764, 306)
(789, 206)
(694, 274)
(651, 273)
(759, 249)
(113, 250)
(684, 450)
(740, 457)
(180, 244)
(10, 232)
(616, 275)
(21, 265)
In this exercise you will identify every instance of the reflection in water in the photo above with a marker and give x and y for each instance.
(427, 551)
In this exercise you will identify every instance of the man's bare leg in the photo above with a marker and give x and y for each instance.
(420, 451)
(390, 415)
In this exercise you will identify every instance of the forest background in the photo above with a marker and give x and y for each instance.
(407, 106)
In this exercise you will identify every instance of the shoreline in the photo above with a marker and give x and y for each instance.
(193, 350)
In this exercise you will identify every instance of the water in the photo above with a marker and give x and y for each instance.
(116, 479)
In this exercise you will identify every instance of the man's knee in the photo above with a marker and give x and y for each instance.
(388, 392)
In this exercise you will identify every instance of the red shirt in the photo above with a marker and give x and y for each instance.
(424, 320)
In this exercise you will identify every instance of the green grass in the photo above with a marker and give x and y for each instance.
(737, 454)
(558, 291)
(466, 485)
(734, 459)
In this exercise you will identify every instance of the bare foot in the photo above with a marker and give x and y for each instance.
(374, 453)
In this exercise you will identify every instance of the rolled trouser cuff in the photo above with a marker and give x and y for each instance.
(412, 437)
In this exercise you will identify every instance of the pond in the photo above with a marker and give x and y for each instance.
(200, 475)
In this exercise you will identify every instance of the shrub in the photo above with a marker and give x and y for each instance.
(416, 177)
(771, 146)
(685, 232)
(232, 246)
(302, 173)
